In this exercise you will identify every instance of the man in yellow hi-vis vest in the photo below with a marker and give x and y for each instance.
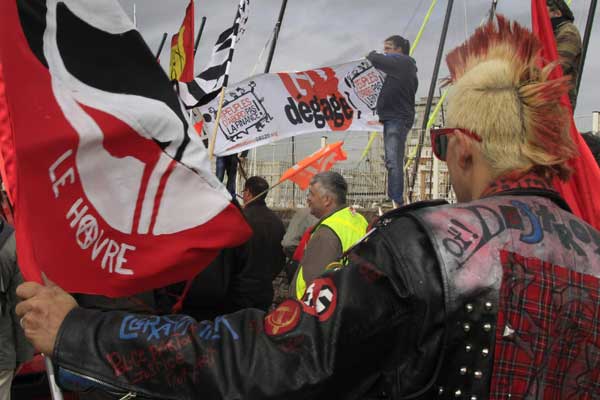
(339, 227)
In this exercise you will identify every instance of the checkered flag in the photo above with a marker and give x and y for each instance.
(207, 85)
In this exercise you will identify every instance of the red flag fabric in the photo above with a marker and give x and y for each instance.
(112, 189)
(582, 191)
(319, 161)
(182, 48)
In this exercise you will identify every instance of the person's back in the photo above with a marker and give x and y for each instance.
(241, 277)
(269, 231)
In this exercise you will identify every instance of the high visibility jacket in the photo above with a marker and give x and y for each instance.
(348, 225)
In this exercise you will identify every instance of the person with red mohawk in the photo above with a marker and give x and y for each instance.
(495, 297)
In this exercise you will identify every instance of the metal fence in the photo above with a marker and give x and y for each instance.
(367, 178)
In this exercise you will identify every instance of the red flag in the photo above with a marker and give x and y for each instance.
(112, 189)
(319, 161)
(581, 191)
(182, 48)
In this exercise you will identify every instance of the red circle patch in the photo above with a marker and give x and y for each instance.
(283, 319)
(320, 298)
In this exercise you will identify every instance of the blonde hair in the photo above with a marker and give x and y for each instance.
(499, 91)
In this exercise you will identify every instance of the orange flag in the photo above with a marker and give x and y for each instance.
(182, 48)
(319, 161)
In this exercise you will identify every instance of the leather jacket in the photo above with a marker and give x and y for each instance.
(424, 309)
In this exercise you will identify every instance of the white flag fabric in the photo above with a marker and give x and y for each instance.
(269, 107)
(207, 84)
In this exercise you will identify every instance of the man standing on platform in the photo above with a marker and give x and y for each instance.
(396, 107)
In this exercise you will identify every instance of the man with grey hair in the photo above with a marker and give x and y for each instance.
(339, 227)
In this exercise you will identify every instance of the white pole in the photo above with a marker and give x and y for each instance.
(134, 16)
(596, 122)
(54, 389)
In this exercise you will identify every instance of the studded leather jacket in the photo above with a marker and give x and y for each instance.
(489, 299)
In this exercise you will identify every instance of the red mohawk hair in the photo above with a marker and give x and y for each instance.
(500, 92)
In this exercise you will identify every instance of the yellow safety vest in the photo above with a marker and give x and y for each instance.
(348, 225)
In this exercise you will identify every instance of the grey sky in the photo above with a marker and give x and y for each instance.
(325, 32)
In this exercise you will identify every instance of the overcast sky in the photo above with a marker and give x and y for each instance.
(325, 32)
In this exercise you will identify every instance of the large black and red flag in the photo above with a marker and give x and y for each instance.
(582, 191)
(112, 190)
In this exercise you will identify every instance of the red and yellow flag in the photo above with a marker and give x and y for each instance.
(319, 161)
(182, 48)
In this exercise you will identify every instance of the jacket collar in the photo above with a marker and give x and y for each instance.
(524, 184)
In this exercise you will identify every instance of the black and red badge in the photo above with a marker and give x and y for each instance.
(320, 298)
(283, 319)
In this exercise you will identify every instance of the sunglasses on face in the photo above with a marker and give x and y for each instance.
(440, 138)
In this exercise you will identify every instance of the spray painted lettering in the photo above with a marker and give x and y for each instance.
(534, 221)
(153, 328)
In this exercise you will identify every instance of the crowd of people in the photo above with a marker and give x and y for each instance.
(493, 297)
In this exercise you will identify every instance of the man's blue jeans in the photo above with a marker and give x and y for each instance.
(228, 164)
(395, 132)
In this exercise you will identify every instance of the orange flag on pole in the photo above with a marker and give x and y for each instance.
(182, 48)
(321, 160)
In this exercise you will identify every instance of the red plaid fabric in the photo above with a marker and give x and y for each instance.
(548, 336)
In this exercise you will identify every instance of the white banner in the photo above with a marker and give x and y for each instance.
(269, 107)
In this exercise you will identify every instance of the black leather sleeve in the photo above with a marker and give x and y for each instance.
(351, 325)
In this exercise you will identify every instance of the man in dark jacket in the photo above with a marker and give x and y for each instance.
(396, 107)
(495, 297)
(242, 277)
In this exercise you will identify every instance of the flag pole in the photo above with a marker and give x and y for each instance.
(211, 146)
(199, 34)
(493, 10)
(134, 16)
(55, 391)
(268, 67)
(586, 39)
(213, 139)
(422, 29)
(160, 46)
(275, 36)
(434, 77)
(263, 192)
